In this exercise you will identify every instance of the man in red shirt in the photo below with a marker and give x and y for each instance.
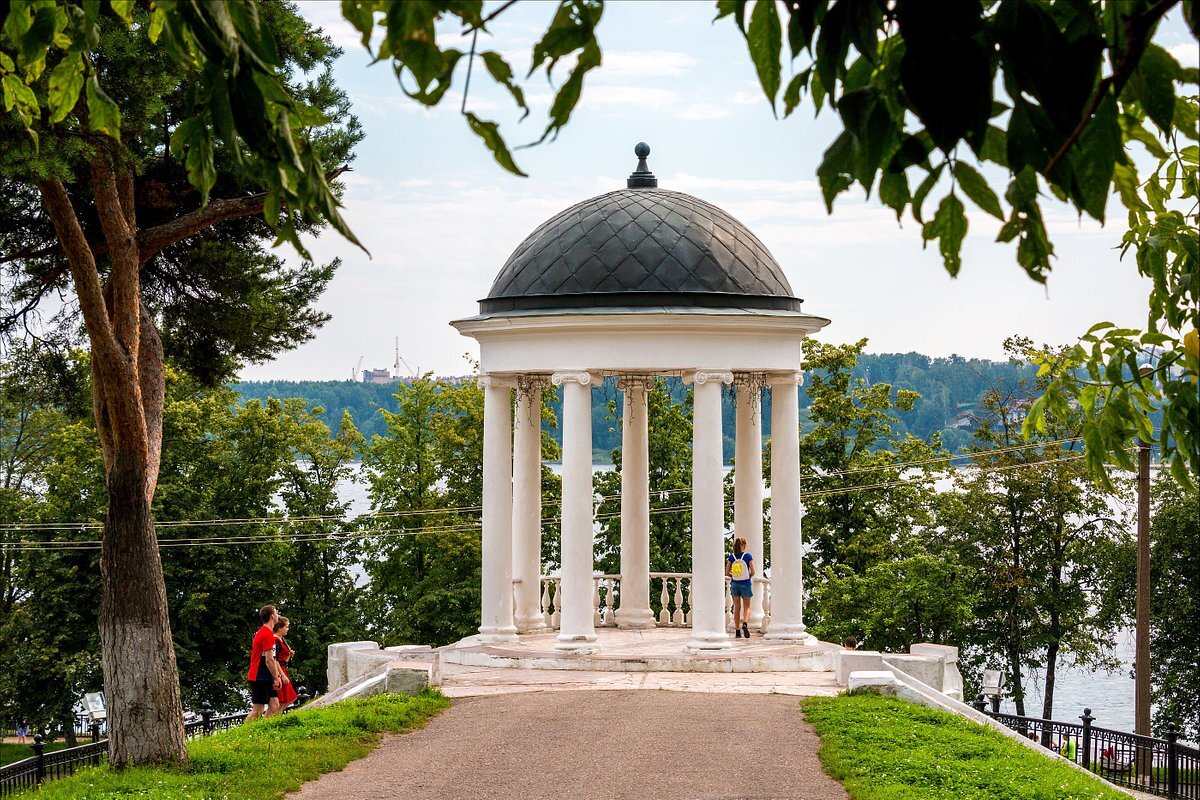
(264, 675)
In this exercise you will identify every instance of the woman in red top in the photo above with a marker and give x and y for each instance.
(283, 654)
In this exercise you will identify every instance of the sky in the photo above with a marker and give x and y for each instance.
(440, 218)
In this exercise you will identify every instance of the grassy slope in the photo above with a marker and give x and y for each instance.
(882, 748)
(261, 760)
(11, 751)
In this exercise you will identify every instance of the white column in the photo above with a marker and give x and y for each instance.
(527, 504)
(635, 611)
(748, 481)
(577, 632)
(497, 606)
(708, 515)
(787, 578)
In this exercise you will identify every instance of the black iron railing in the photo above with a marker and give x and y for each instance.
(1162, 767)
(42, 766)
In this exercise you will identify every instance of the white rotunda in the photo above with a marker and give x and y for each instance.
(638, 283)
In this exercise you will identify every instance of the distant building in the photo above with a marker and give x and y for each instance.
(377, 376)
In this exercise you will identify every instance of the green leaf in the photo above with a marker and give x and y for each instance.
(834, 171)
(949, 227)
(924, 189)
(157, 20)
(791, 96)
(1126, 180)
(893, 191)
(490, 133)
(103, 114)
(502, 74)
(1153, 84)
(765, 38)
(976, 188)
(192, 141)
(66, 81)
(568, 96)
(124, 9)
(1094, 157)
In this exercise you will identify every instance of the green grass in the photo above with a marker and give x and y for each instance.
(882, 748)
(10, 752)
(262, 760)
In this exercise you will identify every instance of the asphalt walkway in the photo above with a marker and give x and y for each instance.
(613, 744)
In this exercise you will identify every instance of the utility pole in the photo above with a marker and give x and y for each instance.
(1141, 713)
(1141, 717)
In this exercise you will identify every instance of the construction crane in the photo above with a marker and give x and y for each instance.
(400, 361)
(356, 371)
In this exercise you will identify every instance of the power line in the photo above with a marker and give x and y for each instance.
(465, 527)
(199, 523)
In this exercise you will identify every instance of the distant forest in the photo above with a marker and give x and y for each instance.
(950, 389)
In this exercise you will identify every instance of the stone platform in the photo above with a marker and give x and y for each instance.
(653, 650)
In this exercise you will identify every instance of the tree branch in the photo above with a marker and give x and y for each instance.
(123, 253)
(152, 240)
(1136, 29)
(83, 266)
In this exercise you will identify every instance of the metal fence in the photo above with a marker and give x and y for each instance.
(1162, 767)
(42, 766)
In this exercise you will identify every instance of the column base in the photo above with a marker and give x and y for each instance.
(531, 625)
(583, 644)
(791, 632)
(708, 642)
(504, 635)
(756, 621)
(635, 619)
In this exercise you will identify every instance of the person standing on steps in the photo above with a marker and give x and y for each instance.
(739, 568)
(264, 675)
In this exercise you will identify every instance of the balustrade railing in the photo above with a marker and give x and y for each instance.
(670, 599)
(1162, 767)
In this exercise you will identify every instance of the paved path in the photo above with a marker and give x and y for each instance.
(639, 745)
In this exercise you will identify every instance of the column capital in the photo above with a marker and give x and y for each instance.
(703, 376)
(532, 383)
(785, 378)
(633, 381)
(751, 380)
(488, 380)
(573, 376)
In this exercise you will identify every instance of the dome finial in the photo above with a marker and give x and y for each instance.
(642, 177)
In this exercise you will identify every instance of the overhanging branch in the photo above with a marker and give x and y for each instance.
(151, 240)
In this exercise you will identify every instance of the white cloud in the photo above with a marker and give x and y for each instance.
(1186, 53)
(328, 17)
(628, 96)
(703, 111)
(644, 64)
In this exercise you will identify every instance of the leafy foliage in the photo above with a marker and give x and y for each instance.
(857, 514)
(1038, 536)
(220, 461)
(425, 477)
(1057, 96)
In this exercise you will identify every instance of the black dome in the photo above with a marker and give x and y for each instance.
(640, 247)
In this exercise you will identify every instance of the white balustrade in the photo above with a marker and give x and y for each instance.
(674, 599)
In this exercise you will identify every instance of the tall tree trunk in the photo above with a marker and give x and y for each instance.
(1051, 675)
(141, 680)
